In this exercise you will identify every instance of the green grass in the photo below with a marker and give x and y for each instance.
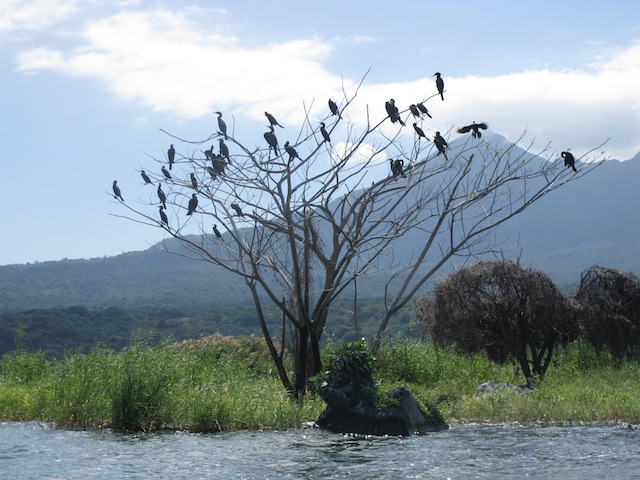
(223, 383)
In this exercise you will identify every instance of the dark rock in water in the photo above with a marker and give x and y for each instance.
(401, 416)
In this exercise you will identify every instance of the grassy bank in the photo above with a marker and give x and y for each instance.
(223, 383)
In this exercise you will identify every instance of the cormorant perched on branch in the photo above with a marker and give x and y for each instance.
(423, 109)
(324, 132)
(334, 108)
(224, 150)
(146, 178)
(441, 144)
(209, 153)
(162, 196)
(272, 140)
(237, 208)
(396, 167)
(163, 216)
(171, 153)
(474, 128)
(414, 110)
(193, 203)
(569, 160)
(393, 112)
(272, 119)
(194, 181)
(222, 126)
(166, 173)
(439, 84)
(291, 151)
(216, 231)
(419, 131)
(116, 191)
(212, 172)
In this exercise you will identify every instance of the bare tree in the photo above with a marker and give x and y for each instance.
(498, 307)
(301, 220)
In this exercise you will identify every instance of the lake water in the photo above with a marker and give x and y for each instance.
(30, 451)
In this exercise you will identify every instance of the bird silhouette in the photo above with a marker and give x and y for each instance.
(163, 216)
(171, 153)
(414, 110)
(334, 108)
(212, 172)
(272, 140)
(439, 84)
(272, 119)
(194, 181)
(423, 109)
(237, 208)
(216, 231)
(393, 112)
(116, 191)
(146, 178)
(193, 203)
(397, 167)
(162, 196)
(166, 173)
(324, 133)
(569, 160)
(474, 128)
(291, 151)
(441, 144)
(224, 150)
(222, 126)
(419, 131)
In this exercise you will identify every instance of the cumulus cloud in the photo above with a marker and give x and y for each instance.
(33, 15)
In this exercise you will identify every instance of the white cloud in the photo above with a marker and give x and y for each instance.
(33, 15)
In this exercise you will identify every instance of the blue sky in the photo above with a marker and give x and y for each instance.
(87, 86)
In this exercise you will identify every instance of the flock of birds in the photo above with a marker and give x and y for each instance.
(221, 159)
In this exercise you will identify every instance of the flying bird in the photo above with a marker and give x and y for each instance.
(272, 140)
(146, 178)
(163, 216)
(194, 181)
(393, 112)
(222, 126)
(116, 191)
(162, 196)
(237, 208)
(414, 110)
(441, 144)
(272, 119)
(166, 173)
(224, 150)
(291, 151)
(474, 128)
(419, 131)
(193, 203)
(423, 109)
(171, 153)
(569, 160)
(216, 231)
(334, 108)
(439, 84)
(324, 132)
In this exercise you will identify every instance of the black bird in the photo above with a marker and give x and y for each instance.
(423, 109)
(334, 108)
(145, 177)
(271, 139)
(163, 216)
(397, 167)
(237, 208)
(162, 196)
(116, 191)
(324, 132)
(441, 144)
(193, 203)
(209, 153)
(222, 126)
(224, 150)
(219, 164)
(166, 173)
(393, 112)
(212, 172)
(194, 181)
(474, 128)
(439, 84)
(291, 151)
(569, 160)
(272, 119)
(414, 110)
(419, 131)
(216, 231)
(171, 153)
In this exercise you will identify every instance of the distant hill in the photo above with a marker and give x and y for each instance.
(591, 221)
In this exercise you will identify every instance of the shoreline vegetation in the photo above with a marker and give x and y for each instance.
(222, 383)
